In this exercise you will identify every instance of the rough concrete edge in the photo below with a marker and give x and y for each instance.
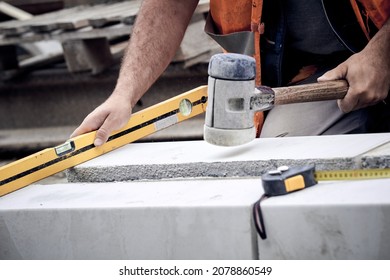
(379, 157)
(198, 170)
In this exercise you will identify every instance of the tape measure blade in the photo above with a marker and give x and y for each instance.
(358, 174)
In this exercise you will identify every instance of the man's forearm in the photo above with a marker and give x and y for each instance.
(157, 34)
(381, 41)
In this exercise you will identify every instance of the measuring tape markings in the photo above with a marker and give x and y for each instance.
(357, 174)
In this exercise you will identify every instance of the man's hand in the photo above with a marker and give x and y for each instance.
(367, 77)
(156, 35)
(367, 73)
(112, 115)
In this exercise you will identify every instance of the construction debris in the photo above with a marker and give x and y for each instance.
(82, 30)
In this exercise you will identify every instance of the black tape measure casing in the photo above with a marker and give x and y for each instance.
(285, 179)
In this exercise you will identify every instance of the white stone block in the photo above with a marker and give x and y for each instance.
(333, 220)
(195, 219)
(205, 218)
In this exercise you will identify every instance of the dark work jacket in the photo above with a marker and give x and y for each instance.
(277, 67)
(279, 64)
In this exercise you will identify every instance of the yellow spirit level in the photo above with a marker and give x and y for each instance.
(47, 162)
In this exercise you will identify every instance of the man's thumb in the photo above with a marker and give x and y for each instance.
(335, 74)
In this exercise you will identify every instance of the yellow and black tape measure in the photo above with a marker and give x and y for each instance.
(286, 179)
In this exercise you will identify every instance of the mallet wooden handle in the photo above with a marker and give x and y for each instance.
(311, 92)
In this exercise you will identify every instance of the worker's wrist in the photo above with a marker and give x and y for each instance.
(127, 93)
(380, 43)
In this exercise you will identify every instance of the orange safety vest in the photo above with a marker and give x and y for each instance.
(378, 11)
(236, 16)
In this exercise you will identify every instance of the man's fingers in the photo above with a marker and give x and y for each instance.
(104, 132)
(101, 136)
(340, 72)
(92, 122)
(76, 132)
(348, 103)
(86, 126)
(110, 124)
(103, 127)
(80, 130)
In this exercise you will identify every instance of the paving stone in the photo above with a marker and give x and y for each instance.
(333, 220)
(208, 217)
(193, 219)
(155, 161)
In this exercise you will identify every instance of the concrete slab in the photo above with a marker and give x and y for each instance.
(335, 220)
(154, 161)
(194, 219)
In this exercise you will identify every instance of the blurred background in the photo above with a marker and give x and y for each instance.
(60, 59)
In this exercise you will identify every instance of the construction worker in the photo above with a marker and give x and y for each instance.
(300, 42)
